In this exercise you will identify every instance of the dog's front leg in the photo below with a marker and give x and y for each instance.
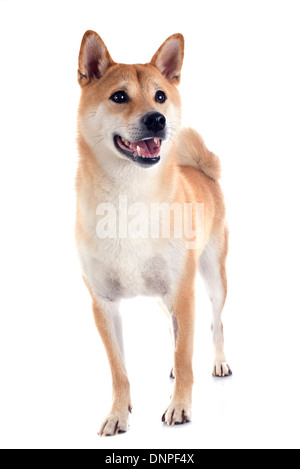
(183, 311)
(108, 322)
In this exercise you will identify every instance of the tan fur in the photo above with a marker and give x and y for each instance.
(191, 151)
(187, 173)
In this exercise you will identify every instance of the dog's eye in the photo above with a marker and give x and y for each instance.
(160, 97)
(120, 97)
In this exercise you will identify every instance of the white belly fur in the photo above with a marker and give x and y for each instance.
(125, 268)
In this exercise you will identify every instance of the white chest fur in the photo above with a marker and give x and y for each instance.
(122, 265)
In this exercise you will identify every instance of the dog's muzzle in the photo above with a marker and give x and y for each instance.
(146, 150)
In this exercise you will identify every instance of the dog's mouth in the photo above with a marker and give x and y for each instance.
(145, 152)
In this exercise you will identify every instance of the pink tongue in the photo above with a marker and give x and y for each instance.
(148, 148)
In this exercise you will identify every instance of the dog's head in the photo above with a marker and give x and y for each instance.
(130, 112)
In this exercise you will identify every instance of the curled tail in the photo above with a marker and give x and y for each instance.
(191, 151)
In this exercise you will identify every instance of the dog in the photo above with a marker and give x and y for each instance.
(133, 149)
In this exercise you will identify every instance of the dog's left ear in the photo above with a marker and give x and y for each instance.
(169, 58)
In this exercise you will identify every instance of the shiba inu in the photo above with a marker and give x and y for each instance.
(131, 145)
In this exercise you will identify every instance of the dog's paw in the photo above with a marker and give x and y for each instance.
(221, 369)
(177, 413)
(115, 422)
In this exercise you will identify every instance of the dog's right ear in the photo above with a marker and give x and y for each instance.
(94, 59)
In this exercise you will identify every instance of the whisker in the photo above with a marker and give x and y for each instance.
(98, 141)
(90, 115)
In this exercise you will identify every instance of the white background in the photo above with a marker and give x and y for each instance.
(240, 89)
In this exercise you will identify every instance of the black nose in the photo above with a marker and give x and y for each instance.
(154, 121)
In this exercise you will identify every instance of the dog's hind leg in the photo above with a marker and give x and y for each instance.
(173, 329)
(213, 271)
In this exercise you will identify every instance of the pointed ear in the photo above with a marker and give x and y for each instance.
(169, 57)
(94, 59)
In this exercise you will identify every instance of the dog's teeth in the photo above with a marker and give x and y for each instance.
(125, 141)
(156, 141)
(138, 151)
